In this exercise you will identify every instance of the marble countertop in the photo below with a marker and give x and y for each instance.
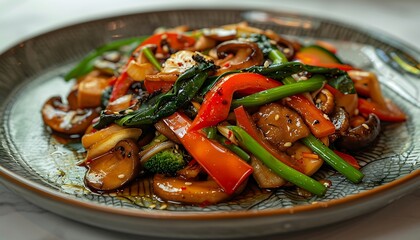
(23, 19)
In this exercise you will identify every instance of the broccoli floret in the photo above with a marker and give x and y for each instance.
(168, 161)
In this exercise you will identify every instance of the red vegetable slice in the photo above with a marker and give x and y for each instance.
(216, 104)
(244, 121)
(391, 114)
(176, 41)
(227, 169)
(320, 126)
(348, 158)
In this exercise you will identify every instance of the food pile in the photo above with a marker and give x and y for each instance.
(203, 111)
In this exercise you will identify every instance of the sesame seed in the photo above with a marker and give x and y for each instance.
(266, 63)
(303, 78)
(157, 140)
(129, 111)
(288, 144)
(286, 50)
(121, 176)
(163, 206)
(152, 206)
(326, 117)
(288, 99)
(116, 113)
(365, 126)
(165, 48)
(356, 111)
(318, 100)
(188, 183)
(277, 117)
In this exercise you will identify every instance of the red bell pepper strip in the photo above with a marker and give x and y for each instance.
(152, 86)
(176, 41)
(216, 104)
(121, 86)
(227, 169)
(244, 121)
(316, 60)
(313, 117)
(348, 158)
(390, 114)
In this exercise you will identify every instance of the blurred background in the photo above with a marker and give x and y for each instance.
(20, 19)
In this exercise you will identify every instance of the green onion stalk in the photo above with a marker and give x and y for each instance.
(281, 169)
(315, 144)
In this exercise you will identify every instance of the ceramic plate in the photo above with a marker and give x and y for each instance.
(40, 169)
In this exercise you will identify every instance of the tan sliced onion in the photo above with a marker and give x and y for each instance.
(109, 142)
(148, 153)
(91, 138)
(138, 71)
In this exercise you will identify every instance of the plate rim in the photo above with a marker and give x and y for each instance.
(43, 191)
(189, 215)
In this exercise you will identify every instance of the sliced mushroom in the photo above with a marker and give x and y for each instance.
(189, 191)
(60, 118)
(105, 143)
(115, 168)
(341, 120)
(239, 54)
(287, 47)
(361, 136)
(204, 42)
(281, 125)
(165, 130)
(220, 34)
(325, 101)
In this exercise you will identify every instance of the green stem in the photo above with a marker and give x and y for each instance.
(87, 63)
(275, 94)
(152, 59)
(284, 171)
(323, 151)
(232, 147)
(210, 132)
(277, 56)
(333, 159)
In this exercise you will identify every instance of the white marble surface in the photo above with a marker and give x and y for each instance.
(21, 19)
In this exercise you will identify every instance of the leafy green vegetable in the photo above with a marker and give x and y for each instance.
(164, 104)
(336, 78)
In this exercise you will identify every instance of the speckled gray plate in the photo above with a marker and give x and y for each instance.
(35, 165)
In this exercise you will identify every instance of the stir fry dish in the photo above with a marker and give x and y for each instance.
(204, 112)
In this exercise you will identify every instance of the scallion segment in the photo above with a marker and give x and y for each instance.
(86, 65)
(151, 57)
(275, 94)
(333, 159)
(284, 171)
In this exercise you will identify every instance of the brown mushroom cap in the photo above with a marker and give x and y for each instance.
(362, 135)
(190, 191)
(115, 168)
(60, 118)
(220, 34)
(341, 120)
(246, 54)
